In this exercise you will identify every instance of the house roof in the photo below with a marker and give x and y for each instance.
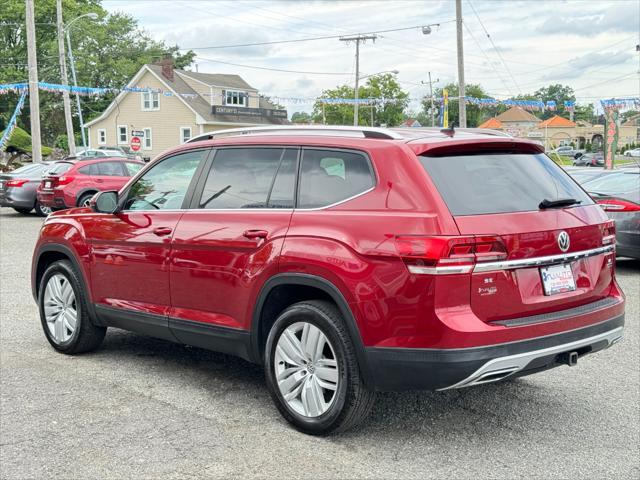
(200, 105)
(410, 122)
(517, 114)
(217, 79)
(633, 121)
(492, 123)
(556, 122)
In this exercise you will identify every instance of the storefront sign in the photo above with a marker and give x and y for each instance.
(610, 136)
(248, 112)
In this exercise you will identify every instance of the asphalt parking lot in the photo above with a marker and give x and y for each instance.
(144, 408)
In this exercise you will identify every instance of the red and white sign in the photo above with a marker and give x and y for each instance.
(135, 143)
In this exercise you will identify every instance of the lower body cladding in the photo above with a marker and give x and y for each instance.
(430, 369)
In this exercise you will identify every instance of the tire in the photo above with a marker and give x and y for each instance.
(23, 211)
(84, 199)
(42, 211)
(85, 335)
(350, 402)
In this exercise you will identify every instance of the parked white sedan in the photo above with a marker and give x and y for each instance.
(632, 153)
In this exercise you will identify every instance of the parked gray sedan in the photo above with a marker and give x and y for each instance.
(618, 193)
(18, 188)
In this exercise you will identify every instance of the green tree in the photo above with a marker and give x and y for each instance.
(559, 93)
(301, 117)
(384, 87)
(19, 144)
(107, 52)
(475, 114)
(584, 112)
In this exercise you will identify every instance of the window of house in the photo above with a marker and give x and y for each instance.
(234, 97)
(123, 136)
(150, 101)
(102, 137)
(328, 177)
(185, 134)
(147, 142)
(251, 178)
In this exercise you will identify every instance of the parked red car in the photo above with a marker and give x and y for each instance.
(72, 183)
(344, 260)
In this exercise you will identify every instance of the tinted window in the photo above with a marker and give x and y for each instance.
(111, 169)
(501, 182)
(134, 168)
(329, 177)
(251, 178)
(59, 168)
(165, 185)
(89, 170)
(26, 168)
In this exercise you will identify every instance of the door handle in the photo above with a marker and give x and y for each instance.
(255, 233)
(162, 231)
(99, 180)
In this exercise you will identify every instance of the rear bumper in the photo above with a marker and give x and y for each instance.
(441, 369)
(11, 198)
(48, 199)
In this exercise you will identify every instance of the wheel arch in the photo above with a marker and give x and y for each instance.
(50, 253)
(83, 192)
(285, 289)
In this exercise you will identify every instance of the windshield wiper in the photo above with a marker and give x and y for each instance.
(559, 203)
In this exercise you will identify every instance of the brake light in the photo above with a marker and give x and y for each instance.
(64, 180)
(15, 183)
(618, 205)
(608, 233)
(448, 254)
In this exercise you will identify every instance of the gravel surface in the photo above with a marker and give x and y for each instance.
(144, 408)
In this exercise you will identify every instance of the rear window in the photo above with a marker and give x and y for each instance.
(499, 182)
(59, 168)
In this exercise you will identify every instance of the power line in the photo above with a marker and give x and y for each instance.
(271, 69)
(307, 39)
(494, 46)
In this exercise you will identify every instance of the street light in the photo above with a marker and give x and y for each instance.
(92, 16)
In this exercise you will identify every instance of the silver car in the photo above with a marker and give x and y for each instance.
(618, 193)
(18, 188)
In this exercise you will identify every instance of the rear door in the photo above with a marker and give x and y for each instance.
(110, 175)
(500, 194)
(228, 242)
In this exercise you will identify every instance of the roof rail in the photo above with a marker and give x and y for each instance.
(321, 130)
(484, 131)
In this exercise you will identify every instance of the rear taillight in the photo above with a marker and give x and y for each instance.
(15, 183)
(608, 233)
(64, 180)
(448, 254)
(618, 205)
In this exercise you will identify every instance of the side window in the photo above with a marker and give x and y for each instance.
(110, 169)
(251, 178)
(329, 177)
(88, 170)
(165, 185)
(133, 168)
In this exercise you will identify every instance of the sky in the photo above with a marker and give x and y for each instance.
(510, 46)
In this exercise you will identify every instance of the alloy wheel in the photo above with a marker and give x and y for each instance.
(60, 308)
(306, 369)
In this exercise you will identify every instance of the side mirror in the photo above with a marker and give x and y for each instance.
(105, 202)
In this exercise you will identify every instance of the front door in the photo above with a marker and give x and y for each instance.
(228, 243)
(130, 249)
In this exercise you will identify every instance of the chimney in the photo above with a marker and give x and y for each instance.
(167, 68)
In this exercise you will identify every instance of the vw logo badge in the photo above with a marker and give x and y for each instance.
(563, 241)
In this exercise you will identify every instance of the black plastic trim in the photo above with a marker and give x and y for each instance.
(431, 369)
(561, 315)
(83, 191)
(133, 321)
(212, 337)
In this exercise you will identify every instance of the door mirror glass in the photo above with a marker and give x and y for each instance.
(105, 202)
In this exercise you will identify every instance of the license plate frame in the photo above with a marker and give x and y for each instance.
(557, 279)
(47, 184)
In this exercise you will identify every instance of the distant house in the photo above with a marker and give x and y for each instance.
(517, 118)
(184, 104)
(492, 123)
(411, 122)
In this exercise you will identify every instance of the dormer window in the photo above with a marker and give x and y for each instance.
(235, 97)
(150, 101)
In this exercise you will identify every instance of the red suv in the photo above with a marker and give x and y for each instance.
(72, 183)
(345, 260)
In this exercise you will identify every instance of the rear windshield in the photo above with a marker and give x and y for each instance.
(499, 182)
(59, 168)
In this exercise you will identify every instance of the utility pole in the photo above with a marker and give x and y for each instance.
(462, 106)
(433, 116)
(34, 97)
(63, 78)
(357, 39)
(75, 83)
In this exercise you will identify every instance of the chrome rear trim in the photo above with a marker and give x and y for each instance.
(448, 270)
(542, 261)
(502, 367)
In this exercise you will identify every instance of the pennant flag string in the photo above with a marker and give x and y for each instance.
(12, 122)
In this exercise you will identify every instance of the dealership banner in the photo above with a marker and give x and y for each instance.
(611, 133)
